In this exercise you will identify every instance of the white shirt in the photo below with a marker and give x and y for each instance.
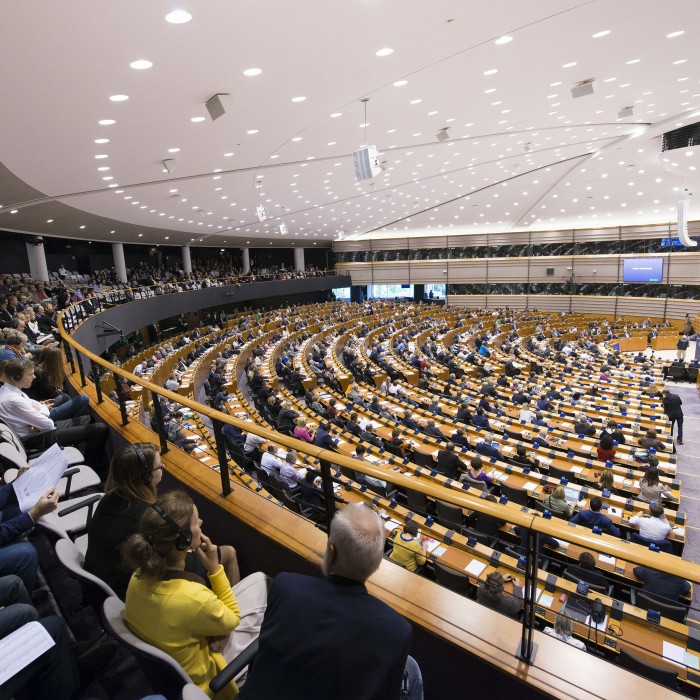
(651, 528)
(270, 463)
(21, 413)
(290, 475)
(252, 441)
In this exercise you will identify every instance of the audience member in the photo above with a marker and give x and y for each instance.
(492, 594)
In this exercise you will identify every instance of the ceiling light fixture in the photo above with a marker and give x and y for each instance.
(178, 17)
(598, 35)
(119, 98)
(505, 39)
(384, 52)
(252, 72)
(106, 122)
(141, 64)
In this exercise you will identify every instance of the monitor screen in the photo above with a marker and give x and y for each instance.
(643, 270)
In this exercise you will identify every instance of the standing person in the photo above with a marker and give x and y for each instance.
(201, 628)
(682, 346)
(672, 408)
(328, 637)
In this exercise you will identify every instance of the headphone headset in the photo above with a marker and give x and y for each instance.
(147, 475)
(183, 540)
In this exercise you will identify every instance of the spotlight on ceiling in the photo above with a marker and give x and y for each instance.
(626, 112)
(585, 87)
(170, 164)
(442, 135)
(216, 105)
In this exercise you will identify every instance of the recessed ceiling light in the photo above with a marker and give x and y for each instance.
(178, 17)
(634, 60)
(173, 150)
(335, 115)
(252, 72)
(108, 177)
(101, 155)
(505, 39)
(491, 71)
(400, 83)
(252, 131)
(167, 238)
(106, 122)
(297, 138)
(118, 98)
(673, 35)
(571, 64)
(598, 35)
(141, 64)
(83, 226)
(101, 140)
(228, 155)
(385, 52)
(103, 168)
(197, 119)
(415, 102)
(49, 221)
(300, 98)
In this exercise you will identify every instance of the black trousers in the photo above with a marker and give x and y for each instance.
(89, 438)
(679, 423)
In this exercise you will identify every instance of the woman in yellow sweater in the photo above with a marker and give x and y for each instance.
(408, 550)
(172, 609)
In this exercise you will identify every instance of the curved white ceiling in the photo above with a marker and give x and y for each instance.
(522, 153)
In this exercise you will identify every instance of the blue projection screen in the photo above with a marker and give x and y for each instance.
(643, 270)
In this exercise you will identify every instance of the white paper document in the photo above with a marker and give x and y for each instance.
(391, 525)
(431, 544)
(21, 647)
(607, 559)
(602, 626)
(42, 476)
(674, 653)
(439, 551)
(546, 600)
(475, 567)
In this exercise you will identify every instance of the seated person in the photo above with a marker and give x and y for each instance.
(206, 627)
(369, 435)
(556, 502)
(360, 452)
(320, 635)
(431, 429)
(408, 550)
(288, 470)
(31, 419)
(310, 493)
(661, 584)
(651, 489)
(521, 459)
(563, 628)
(448, 463)
(605, 449)
(323, 437)
(651, 441)
(586, 570)
(492, 594)
(398, 444)
(480, 420)
(477, 471)
(653, 526)
(594, 518)
(486, 447)
(583, 426)
(301, 432)
(607, 481)
(459, 438)
(614, 431)
(270, 462)
(131, 487)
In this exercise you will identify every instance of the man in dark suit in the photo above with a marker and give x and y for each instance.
(328, 638)
(662, 584)
(432, 430)
(672, 408)
(448, 463)
(487, 449)
(410, 422)
(459, 438)
(586, 570)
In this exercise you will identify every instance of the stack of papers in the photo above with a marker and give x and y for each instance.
(475, 567)
(42, 476)
(606, 558)
(391, 524)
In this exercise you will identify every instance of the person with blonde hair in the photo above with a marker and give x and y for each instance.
(202, 628)
(563, 629)
(556, 502)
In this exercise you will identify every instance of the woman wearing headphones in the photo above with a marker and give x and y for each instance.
(201, 628)
(134, 475)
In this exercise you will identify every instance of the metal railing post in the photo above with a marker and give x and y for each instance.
(121, 398)
(83, 381)
(69, 356)
(527, 649)
(96, 378)
(160, 422)
(328, 493)
(222, 452)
